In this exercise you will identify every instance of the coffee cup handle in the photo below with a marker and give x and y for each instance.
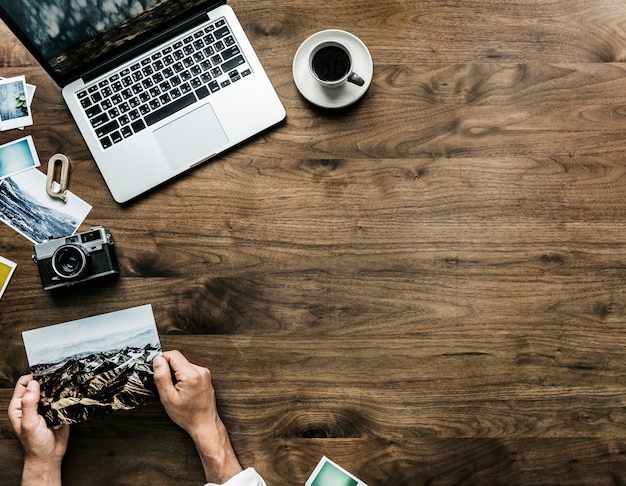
(356, 79)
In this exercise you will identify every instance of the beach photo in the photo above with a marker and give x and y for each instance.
(18, 156)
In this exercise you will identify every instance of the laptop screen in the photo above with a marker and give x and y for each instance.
(69, 37)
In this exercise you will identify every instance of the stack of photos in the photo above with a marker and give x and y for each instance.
(15, 99)
(24, 203)
(94, 366)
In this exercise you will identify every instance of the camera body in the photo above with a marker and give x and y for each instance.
(73, 259)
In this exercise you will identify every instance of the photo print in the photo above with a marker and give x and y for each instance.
(26, 207)
(94, 366)
(18, 156)
(14, 106)
(30, 94)
(328, 473)
(7, 268)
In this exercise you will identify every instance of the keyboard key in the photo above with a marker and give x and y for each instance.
(105, 142)
(99, 120)
(138, 125)
(116, 137)
(93, 111)
(106, 129)
(233, 63)
(223, 32)
(230, 52)
(173, 107)
(202, 92)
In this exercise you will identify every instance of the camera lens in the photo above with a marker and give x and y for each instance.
(69, 261)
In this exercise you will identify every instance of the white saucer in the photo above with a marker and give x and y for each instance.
(332, 97)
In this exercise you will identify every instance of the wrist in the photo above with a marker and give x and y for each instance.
(41, 472)
(217, 455)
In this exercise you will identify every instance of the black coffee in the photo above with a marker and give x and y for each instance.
(331, 63)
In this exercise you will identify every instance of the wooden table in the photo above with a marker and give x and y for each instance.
(428, 287)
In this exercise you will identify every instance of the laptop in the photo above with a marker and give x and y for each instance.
(156, 87)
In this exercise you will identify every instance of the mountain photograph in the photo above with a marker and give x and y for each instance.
(84, 387)
(94, 366)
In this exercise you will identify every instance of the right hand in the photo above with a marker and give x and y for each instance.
(188, 396)
(189, 400)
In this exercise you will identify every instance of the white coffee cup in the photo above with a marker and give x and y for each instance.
(330, 63)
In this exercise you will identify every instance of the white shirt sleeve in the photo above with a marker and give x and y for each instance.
(247, 477)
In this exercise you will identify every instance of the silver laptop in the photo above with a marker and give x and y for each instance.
(156, 87)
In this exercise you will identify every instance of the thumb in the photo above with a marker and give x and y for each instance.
(162, 375)
(30, 400)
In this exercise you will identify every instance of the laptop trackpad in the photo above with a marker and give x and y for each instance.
(191, 138)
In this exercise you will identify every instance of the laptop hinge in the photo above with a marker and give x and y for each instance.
(144, 46)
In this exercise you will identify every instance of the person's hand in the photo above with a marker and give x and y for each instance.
(187, 394)
(44, 447)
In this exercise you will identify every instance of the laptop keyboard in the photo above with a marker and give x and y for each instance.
(184, 71)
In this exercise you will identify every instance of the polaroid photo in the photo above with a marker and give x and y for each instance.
(7, 268)
(30, 94)
(14, 106)
(27, 208)
(18, 156)
(30, 91)
(327, 473)
(94, 366)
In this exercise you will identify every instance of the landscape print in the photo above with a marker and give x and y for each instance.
(94, 366)
(26, 207)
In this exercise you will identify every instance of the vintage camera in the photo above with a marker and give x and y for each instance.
(72, 259)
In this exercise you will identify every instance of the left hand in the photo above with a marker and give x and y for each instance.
(41, 443)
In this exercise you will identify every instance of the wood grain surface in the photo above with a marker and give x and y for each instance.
(427, 287)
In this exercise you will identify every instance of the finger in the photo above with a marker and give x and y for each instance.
(30, 400)
(163, 378)
(162, 372)
(176, 359)
(20, 386)
(179, 364)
